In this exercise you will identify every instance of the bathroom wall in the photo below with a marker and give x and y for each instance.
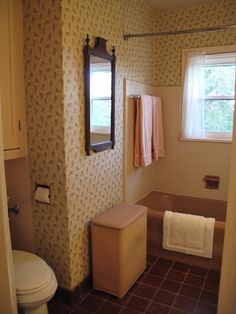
(45, 126)
(18, 190)
(137, 181)
(81, 186)
(186, 163)
(227, 301)
(95, 183)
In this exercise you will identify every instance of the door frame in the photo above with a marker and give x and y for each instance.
(7, 283)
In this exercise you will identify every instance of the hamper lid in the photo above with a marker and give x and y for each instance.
(119, 216)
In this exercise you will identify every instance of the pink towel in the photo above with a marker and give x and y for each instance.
(149, 142)
(143, 132)
(157, 129)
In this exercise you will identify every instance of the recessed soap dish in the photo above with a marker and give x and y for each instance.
(212, 182)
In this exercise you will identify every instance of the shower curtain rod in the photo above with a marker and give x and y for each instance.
(186, 31)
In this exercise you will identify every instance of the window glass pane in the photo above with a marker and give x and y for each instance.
(218, 115)
(100, 84)
(220, 80)
(101, 112)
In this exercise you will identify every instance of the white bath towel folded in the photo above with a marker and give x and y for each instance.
(189, 234)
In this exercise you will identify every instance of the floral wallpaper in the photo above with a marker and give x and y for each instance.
(95, 183)
(81, 186)
(45, 127)
(169, 48)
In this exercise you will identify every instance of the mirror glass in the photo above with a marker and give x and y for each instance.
(99, 76)
(100, 100)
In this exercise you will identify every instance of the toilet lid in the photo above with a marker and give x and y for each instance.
(31, 272)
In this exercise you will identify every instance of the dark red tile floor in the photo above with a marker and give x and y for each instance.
(166, 287)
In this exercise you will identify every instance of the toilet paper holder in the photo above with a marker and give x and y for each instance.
(42, 193)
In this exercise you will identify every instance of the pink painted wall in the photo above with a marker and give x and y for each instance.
(18, 189)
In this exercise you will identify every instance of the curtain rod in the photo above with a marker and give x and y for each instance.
(186, 31)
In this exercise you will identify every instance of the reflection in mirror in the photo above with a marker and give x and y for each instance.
(99, 97)
(100, 100)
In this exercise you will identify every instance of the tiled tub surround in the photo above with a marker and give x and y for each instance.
(166, 287)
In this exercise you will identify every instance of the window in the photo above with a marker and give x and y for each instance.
(100, 92)
(208, 94)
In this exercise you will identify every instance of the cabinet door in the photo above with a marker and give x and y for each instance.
(11, 79)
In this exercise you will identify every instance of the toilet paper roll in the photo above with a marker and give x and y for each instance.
(42, 194)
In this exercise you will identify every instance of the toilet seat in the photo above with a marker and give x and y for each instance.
(35, 280)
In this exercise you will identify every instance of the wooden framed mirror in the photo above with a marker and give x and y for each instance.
(99, 96)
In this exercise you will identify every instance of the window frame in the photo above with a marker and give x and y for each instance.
(224, 137)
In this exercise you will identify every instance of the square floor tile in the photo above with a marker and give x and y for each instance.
(127, 311)
(134, 287)
(57, 308)
(158, 270)
(156, 308)
(170, 285)
(199, 271)
(153, 280)
(211, 285)
(194, 280)
(176, 275)
(205, 308)
(180, 266)
(176, 311)
(145, 291)
(98, 294)
(209, 296)
(190, 291)
(91, 303)
(164, 297)
(185, 303)
(148, 267)
(116, 300)
(77, 310)
(137, 304)
(151, 259)
(214, 275)
(164, 262)
(109, 308)
(141, 277)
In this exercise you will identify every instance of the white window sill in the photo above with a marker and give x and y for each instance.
(100, 133)
(209, 140)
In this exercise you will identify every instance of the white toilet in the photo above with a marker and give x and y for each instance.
(36, 283)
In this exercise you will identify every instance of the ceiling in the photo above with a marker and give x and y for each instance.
(171, 4)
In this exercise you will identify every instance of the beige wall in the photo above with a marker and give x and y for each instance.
(227, 301)
(186, 163)
(18, 190)
(81, 186)
(137, 181)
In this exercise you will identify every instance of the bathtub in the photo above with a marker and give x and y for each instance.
(158, 202)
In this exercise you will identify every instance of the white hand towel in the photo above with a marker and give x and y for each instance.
(188, 234)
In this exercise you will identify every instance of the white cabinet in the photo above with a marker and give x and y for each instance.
(12, 79)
